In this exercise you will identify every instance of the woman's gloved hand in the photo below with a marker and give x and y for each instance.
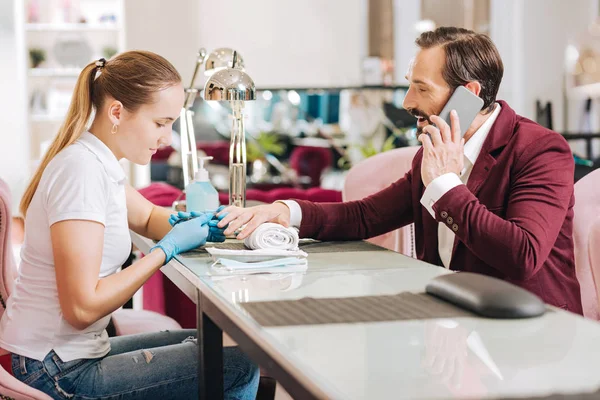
(185, 236)
(215, 233)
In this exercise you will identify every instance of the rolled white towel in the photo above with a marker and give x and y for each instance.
(273, 236)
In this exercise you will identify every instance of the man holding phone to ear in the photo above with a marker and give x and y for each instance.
(491, 192)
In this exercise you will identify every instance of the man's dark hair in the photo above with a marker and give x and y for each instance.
(470, 56)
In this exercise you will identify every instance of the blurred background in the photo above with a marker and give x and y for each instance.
(329, 77)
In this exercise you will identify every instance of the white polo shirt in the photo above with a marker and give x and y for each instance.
(86, 182)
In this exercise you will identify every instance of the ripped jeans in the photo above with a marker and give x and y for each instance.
(160, 365)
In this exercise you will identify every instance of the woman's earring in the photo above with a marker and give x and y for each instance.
(114, 129)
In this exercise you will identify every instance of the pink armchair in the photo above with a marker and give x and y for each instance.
(374, 174)
(586, 237)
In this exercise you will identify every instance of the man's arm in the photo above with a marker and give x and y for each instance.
(538, 202)
(379, 213)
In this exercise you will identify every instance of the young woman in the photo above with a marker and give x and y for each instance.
(78, 211)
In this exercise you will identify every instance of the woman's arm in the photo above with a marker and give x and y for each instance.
(145, 218)
(84, 298)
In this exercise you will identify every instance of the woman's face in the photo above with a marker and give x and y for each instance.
(142, 132)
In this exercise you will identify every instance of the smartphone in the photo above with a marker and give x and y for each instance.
(467, 106)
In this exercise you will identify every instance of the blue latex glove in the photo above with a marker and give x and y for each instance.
(185, 236)
(215, 233)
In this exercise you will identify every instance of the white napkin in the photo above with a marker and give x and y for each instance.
(273, 236)
(279, 265)
(274, 250)
(259, 255)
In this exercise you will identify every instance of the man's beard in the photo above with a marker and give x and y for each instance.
(415, 112)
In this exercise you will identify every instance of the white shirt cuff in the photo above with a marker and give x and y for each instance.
(295, 212)
(437, 188)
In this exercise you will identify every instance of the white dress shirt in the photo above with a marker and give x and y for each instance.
(436, 189)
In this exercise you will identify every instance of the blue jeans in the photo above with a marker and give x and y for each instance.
(161, 365)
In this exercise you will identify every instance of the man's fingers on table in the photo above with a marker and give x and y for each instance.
(231, 215)
(252, 225)
(237, 223)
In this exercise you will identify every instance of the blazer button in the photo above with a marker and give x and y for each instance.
(455, 228)
(450, 220)
(444, 214)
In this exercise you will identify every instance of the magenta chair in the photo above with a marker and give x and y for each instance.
(125, 321)
(311, 161)
(586, 237)
(374, 174)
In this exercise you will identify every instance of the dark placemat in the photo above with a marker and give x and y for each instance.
(310, 311)
(338, 247)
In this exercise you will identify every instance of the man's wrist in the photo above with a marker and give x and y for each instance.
(438, 188)
(294, 212)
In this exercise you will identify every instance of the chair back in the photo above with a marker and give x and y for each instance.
(586, 238)
(375, 174)
(8, 267)
(311, 161)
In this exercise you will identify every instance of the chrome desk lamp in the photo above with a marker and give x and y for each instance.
(217, 60)
(234, 85)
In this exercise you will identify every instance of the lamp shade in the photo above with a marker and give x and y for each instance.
(220, 59)
(229, 84)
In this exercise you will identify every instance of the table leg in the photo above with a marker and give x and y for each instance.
(210, 355)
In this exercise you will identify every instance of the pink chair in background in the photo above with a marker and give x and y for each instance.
(126, 321)
(586, 237)
(374, 174)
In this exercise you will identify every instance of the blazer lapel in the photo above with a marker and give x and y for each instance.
(481, 170)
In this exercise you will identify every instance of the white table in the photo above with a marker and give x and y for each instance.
(417, 359)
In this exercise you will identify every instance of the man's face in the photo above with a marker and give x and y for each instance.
(428, 91)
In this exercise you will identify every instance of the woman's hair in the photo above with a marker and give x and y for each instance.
(132, 78)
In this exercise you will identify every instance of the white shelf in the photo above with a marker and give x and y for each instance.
(45, 72)
(72, 27)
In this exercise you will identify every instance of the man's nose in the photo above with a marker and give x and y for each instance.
(409, 100)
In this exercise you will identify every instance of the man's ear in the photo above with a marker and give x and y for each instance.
(115, 112)
(474, 86)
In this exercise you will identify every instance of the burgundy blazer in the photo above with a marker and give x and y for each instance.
(513, 220)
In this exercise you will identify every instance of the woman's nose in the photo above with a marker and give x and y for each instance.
(166, 140)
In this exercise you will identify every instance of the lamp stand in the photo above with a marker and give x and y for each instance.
(189, 154)
(237, 157)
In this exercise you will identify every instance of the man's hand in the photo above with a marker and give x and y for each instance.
(444, 151)
(236, 217)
